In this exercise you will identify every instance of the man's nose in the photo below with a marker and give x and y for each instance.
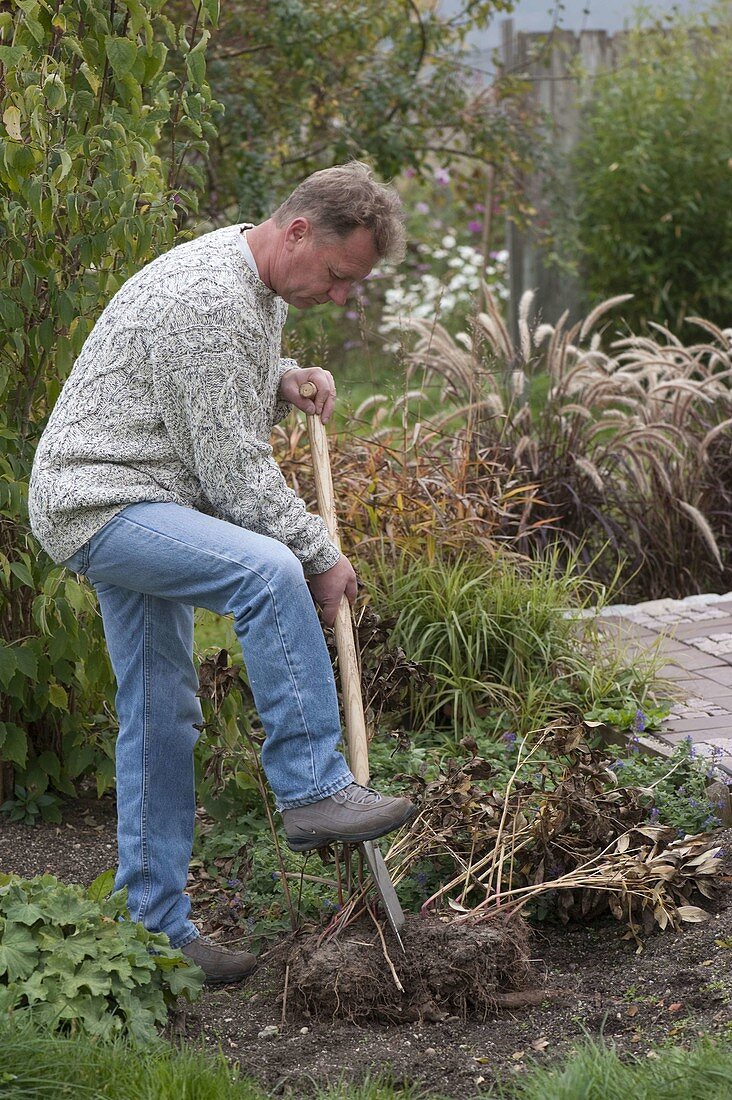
(339, 294)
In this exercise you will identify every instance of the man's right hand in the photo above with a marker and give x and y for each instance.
(328, 588)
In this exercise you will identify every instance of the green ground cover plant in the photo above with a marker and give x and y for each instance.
(72, 960)
(679, 785)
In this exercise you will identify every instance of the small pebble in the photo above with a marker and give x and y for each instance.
(271, 1031)
(304, 1030)
(430, 1050)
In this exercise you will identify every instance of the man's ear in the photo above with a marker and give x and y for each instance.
(296, 231)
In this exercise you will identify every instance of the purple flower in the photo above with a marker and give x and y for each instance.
(634, 744)
(509, 737)
(422, 208)
(410, 173)
(639, 723)
(442, 177)
(478, 207)
(475, 226)
(655, 814)
(351, 315)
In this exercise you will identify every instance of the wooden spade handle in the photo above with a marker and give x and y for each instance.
(358, 752)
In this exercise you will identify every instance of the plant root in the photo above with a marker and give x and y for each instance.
(447, 969)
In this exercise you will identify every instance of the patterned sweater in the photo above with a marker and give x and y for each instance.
(173, 398)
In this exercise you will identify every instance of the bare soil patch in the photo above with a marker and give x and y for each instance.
(584, 979)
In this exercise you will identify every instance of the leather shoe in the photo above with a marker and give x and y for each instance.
(219, 964)
(352, 815)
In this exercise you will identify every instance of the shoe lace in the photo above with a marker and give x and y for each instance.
(362, 796)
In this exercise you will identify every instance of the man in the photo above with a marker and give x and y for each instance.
(154, 479)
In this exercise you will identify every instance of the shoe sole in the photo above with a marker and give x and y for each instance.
(228, 981)
(306, 844)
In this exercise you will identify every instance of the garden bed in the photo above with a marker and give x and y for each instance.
(586, 980)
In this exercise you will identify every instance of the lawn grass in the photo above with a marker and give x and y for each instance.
(37, 1065)
(704, 1072)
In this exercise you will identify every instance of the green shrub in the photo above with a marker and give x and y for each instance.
(651, 173)
(88, 103)
(76, 962)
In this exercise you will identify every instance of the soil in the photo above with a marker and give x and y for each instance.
(585, 980)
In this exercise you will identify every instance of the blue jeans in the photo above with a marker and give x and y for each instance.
(151, 565)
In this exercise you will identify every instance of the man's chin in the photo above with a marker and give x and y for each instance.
(304, 303)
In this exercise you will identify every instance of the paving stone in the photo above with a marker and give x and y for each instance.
(682, 632)
(719, 645)
(710, 690)
(680, 675)
(722, 674)
(703, 725)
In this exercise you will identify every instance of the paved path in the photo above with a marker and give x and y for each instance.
(695, 637)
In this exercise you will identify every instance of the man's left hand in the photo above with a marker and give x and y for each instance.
(324, 401)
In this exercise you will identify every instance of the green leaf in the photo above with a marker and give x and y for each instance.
(121, 54)
(27, 661)
(8, 664)
(14, 745)
(187, 980)
(18, 952)
(57, 696)
(23, 573)
(10, 55)
(102, 886)
(22, 911)
(196, 66)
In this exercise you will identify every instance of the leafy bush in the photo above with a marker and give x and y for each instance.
(651, 173)
(87, 102)
(76, 962)
(307, 85)
(625, 448)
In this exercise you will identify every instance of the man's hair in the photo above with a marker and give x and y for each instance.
(343, 198)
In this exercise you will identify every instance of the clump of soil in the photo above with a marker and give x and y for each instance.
(446, 969)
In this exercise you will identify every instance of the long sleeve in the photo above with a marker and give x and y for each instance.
(218, 406)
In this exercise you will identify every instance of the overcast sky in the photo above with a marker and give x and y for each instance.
(539, 16)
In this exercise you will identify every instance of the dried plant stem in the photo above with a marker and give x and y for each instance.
(520, 763)
(300, 875)
(284, 996)
(390, 964)
(469, 871)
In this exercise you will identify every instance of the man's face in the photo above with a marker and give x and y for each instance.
(316, 268)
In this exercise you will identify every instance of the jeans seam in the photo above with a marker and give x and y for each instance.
(144, 847)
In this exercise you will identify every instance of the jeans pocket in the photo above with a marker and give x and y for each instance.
(79, 562)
